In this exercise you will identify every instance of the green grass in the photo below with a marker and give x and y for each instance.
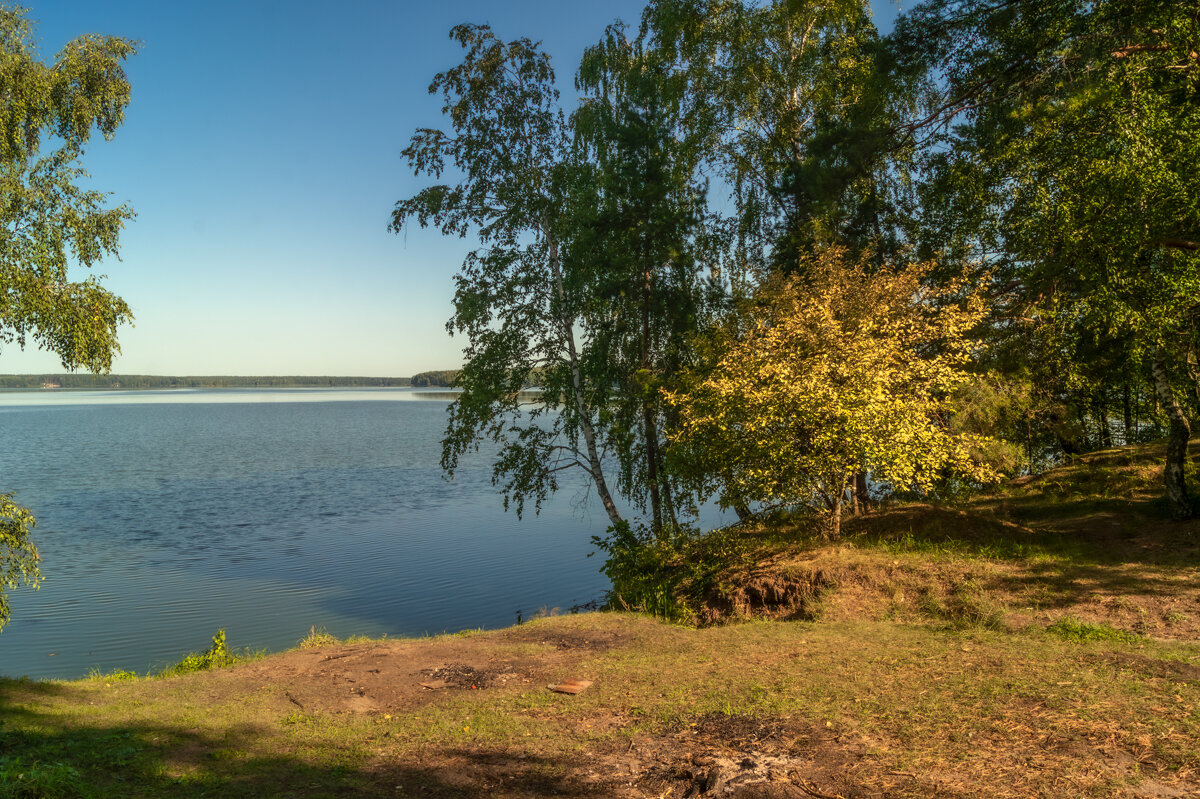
(910, 697)
(20, 779)
(317, 638)
(1072, 629)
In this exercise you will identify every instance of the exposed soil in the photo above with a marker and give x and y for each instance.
(388, 676)
(778, 588)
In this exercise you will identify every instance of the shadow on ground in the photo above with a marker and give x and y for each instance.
(46, 755)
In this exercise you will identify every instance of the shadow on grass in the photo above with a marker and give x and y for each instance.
(1066, 585)
(50, 746)
(1093, 532)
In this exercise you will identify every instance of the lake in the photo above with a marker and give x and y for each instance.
(165, 515)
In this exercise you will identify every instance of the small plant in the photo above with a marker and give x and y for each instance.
(215, 657)
(297, 718)
(1072, 629)
(645, 570)
(317, 638)
(120, 675)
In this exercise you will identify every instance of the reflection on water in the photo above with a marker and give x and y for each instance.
(163, 515)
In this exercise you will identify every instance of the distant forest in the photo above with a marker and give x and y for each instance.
(166, 381)
(444, 377)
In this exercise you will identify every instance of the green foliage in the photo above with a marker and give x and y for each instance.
(646, 299)
(517, 299)
(766, 93)
(1010, 420)
(1063, 155)
(843, 374)
(317, 638)
(586, 284)
(18, 555)
(1072, 629)
(669, 574)
(646, 570)
(215, 657)
(51, 222)
(1038, 158)
(120, 675)
(443, 377)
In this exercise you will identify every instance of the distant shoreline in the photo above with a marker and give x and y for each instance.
(116, 382)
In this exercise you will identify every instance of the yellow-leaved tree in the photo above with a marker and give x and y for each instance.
(828, 374)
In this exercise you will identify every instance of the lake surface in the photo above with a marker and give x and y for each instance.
(165, 515)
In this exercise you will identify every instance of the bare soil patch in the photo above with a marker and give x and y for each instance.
(387, 676)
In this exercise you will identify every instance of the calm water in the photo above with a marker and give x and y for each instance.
(163, 516)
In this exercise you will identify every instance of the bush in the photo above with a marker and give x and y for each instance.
(216, 656)
(645, 570)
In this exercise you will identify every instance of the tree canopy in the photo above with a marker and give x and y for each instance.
(836, 374)
(1066, 161)
(710, 264)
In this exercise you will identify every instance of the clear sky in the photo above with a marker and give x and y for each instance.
(261, 153)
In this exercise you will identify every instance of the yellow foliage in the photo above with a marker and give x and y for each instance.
(831, 374)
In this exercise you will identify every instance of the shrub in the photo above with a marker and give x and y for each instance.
(645, 569)
(216, 656)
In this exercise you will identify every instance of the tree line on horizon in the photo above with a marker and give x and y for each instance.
(116, 381)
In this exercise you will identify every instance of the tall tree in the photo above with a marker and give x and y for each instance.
(519, 296)
(1068, 165)
(49, 223)
(651, 260)
(587, 283)
(770, 91)
(745, 93)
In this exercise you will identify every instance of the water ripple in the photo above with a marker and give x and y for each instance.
(159, 522)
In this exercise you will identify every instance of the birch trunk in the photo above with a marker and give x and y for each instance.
(585, 418)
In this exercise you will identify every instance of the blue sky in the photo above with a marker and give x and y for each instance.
(261, 153)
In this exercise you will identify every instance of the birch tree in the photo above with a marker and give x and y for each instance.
(519, 297)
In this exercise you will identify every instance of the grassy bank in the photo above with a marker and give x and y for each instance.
(1040, 641)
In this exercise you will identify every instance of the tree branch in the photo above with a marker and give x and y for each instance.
(1179, 244)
